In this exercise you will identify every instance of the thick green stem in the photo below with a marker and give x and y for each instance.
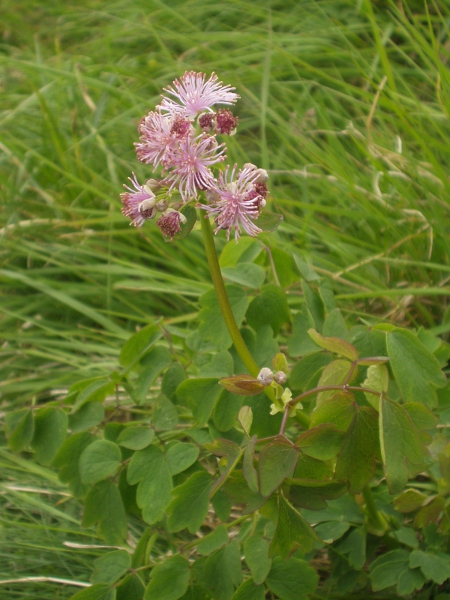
(222, 297)
(376, 522)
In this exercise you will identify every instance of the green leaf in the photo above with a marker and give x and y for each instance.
(149, 468)
(139, 344)
(263, 424)
(434, 566)
(97, 391)
(306, 270)
(213, 541)
(409, 501)
(131, 588)
(339, 410)
(246, 251)
(136, 437)
(377, 379)
(335, 345)
(231, 454)
(357, 459)
(369, 341)
(246, 274)
(189, 506)
(98, 461)
(226, 411)
(315, 305)
(312, 494)
(354, 545)
(200, 396)
(248, 465)
(191, 217)
(311, 468)
(172, 378)
(268, 221)
(104, 506)
(402, 449)
(300, 343)
(245, 417)
(410, 581)
(212, 335)
(420, 415)
(153, 363)
(331, 530)
(169, 580)
(249, 591)
(50, 428)
(99, 591)
(386, 570)
(292, 579)
(305, 369)
(222, 571)
(165, 415)
(432, 512)
(180, 457)
(336, 373)
(276, 462)
(335, 325)
(19, 427)
(89, 415)
(284, 266)
(67, 460)
(416, 370)
(256, 551)
(292, 532)
(270, 307)
(322, 442)
(110, 567)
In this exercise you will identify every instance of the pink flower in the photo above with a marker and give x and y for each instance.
(138, 204)
(235, 202)
(190, 163)
(159, 134)
(170, 222)
(193, 94)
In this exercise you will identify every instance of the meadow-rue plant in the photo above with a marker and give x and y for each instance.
(306, 452)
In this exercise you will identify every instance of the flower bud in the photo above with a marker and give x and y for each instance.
(162, 205)
(263, 176)
(265, 376)
(280, 378)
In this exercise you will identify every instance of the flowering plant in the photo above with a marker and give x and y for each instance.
(239, 481)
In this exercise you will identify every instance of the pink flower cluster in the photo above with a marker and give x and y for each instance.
(180, 137)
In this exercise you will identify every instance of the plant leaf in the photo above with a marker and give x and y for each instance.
(416, 371)
(99, 460)
(292, 579)
(169, 580)
(292, 532)
(276, 462)
(190, 503)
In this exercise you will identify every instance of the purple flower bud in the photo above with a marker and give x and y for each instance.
(280, 378)
(265, 376)
(226, 121)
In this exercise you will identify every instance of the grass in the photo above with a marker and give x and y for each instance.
(346, 104)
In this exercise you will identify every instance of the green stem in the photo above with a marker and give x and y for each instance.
(376, 521)
(222, 297)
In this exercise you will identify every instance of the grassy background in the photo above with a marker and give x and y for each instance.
(345, 103)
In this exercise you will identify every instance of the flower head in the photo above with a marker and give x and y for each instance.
(159, 134)
(138, 203)
(170, 222)
(235, 202)
(189, 164)
(193, 94)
